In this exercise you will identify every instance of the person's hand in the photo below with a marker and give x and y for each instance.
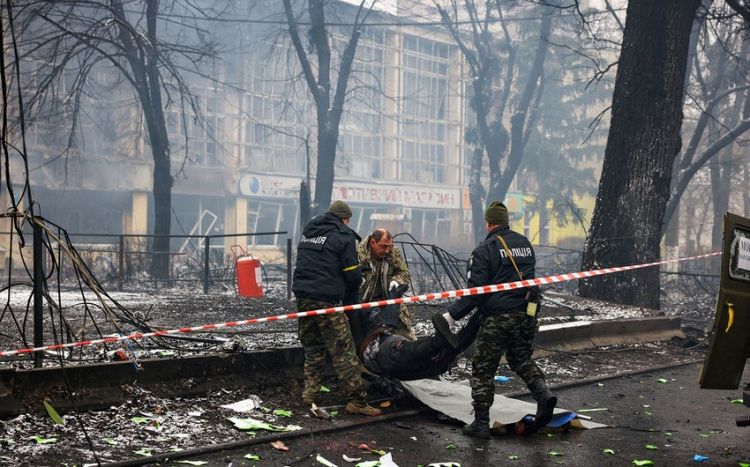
(395, 290)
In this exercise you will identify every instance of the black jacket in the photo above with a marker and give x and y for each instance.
(490, 265)
(327, 264)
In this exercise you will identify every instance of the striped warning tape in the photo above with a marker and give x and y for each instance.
(360, 306)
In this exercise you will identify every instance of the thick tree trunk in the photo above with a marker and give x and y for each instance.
(644, 139)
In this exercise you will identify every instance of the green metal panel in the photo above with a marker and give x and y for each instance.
(730, 338)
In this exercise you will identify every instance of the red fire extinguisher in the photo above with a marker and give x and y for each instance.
(249, 279)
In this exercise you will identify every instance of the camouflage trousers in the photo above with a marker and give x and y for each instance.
(405, 323)
(512, 335)
(329, 335)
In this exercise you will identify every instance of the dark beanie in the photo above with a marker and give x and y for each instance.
(340, 209)
(496, 214)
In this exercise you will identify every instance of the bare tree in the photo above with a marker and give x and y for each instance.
(492, 61)
(720, 97)
(329, 99)
(644, 140)
(73, 39)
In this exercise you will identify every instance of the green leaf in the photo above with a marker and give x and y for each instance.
(668, 433)
(192, 462)
(738, 401)
(140, 420)
(252, 457)
(324, 389)
(451, 446)
(662, 381)
(282, 413)
(609, 451)
(146, 452)
(554, 454)
(744, 464)
(377, 453)
(651, 446)
(110, 441)
(646, 413)
(642, 462)
(513, 458)
(252, 424)
(53, 413)
(43, 440)
(334, 413)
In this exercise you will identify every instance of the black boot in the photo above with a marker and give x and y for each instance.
(480, 428)
(442, 327)
(545, 402)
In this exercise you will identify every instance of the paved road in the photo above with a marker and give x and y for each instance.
(677, 419)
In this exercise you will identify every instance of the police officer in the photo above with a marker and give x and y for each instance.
(385, 275)
(510, 323)
(327, 273)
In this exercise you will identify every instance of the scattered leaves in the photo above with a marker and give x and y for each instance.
(554, 454)
(279, 446)
(324, 389)
(145, 452)
(43, 440)
(324, 461)
(140, 420)
(252, 457)
(651, 446)
(513, 457)
(282, 413)
(642, 462)
(110, 441)
(451, 446)
(53, 413)
(609, 451)
(662, 381)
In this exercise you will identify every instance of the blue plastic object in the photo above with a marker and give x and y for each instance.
(700, 458)
(501, 379)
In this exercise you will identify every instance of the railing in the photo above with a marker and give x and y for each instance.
(125, 260)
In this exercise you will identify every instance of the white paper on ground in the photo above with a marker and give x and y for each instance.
(454, 400)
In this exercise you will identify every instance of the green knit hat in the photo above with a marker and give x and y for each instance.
(496, 214)
(340, 209)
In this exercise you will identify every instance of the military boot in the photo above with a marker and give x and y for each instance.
(545, 402)
(443, 327)
(480, 428)
(361, 408)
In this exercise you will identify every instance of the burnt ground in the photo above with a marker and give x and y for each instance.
(186, 414)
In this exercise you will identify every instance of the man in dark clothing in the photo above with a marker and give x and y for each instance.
(385, 351)
(327, 273)
(510, 323)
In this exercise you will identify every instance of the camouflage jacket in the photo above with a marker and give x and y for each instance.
(378, 274)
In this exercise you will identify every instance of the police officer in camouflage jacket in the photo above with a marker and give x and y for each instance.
(327, 272)
(384, 271)
(509, 325)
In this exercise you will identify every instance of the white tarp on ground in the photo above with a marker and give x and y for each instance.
(454, 400)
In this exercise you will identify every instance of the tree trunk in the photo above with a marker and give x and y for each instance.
(325, 172)
(644, 139)
(500, 185)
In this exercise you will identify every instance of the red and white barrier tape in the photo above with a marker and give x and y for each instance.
(360, 306)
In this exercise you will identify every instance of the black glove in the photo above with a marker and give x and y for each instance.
(397, 291)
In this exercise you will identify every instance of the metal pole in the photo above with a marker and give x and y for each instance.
(38, 289)
(288, 268)
(121, 263)
(207, 246)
